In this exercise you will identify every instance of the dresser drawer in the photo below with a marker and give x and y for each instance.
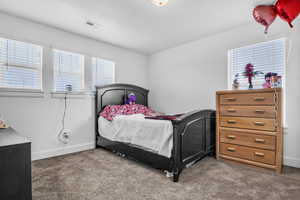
(248, 123)
(248, 139)
(258, 155)
(248, 99)
(248, 111)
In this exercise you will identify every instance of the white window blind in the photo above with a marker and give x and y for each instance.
(103, 72)
(68, 70)
(20, 65)
(265, 57)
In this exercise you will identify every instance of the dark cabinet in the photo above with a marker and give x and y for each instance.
(15, 166)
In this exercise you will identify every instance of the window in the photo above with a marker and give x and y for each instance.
(103, 72)
(20, 65)
(68, 70)
(265, 57)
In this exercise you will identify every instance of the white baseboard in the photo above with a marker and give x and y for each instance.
(292, 162)
(62, 151)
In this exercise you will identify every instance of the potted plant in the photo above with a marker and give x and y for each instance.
(250, 74)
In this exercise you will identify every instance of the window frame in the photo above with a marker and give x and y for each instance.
(82, 82)
(14, 90)
(229, 62)
(94, 77)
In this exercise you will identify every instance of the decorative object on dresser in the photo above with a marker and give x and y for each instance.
(3, 124)
(15, 166)
(249, 73)
(249, 127)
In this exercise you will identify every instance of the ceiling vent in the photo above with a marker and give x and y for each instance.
(92, 24)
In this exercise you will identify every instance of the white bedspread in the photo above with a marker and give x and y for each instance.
(153, 135)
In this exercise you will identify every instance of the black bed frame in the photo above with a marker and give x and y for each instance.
(193, 133)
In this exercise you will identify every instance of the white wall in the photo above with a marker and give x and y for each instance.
(186, 77)
(39, 119)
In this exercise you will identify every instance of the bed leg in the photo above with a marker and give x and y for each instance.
(176, 174)
(176, 177)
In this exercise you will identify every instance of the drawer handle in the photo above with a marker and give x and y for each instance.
(260, 111)
(259, 154)
(231, 137)
(231, 149)
(230, 99)
(231, 110)
(257, 140)
(259, 123)
(259, 98)
(231, 122)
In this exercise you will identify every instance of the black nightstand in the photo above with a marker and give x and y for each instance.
(15, 166)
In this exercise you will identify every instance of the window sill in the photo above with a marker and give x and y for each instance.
(11, 92)
(72, 95)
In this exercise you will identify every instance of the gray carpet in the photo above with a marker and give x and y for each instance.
(97, 175)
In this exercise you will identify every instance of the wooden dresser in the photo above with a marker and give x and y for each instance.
(249, 127)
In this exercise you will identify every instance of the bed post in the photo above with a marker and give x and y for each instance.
(96, 117)
(177, 168)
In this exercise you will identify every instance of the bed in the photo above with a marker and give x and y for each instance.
(193, 133)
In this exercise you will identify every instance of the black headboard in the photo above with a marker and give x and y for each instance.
(116, 94)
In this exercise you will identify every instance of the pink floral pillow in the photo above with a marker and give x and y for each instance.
(110, 112)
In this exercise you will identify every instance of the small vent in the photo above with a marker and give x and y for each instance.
(90, 23)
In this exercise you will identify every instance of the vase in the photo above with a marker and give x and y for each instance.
(250, 83)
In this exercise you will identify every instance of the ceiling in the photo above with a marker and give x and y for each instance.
(137, 24)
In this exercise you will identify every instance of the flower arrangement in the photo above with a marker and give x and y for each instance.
(248, 73)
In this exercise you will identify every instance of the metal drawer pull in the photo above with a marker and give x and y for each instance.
(260, 111)
(259, 98)
(231, 136)
(231, 121)
(259, 154)
(231, 110)
(259, 123)
(230, 99)
(259, 140)
(231, 149)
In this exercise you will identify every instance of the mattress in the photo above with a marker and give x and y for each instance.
(149, 134)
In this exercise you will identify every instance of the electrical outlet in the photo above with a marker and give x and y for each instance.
(68, 132)
(64, 136)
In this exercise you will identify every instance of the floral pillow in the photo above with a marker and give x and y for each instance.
(111, 111)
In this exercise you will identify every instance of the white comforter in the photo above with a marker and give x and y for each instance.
(152, 135)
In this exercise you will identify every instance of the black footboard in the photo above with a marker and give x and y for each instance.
(193, 137)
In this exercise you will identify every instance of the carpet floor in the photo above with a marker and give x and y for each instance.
(100, 175)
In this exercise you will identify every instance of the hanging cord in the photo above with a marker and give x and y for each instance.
(61, 137)
(64, 115)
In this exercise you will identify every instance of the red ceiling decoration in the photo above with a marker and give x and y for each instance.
(288, 10)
